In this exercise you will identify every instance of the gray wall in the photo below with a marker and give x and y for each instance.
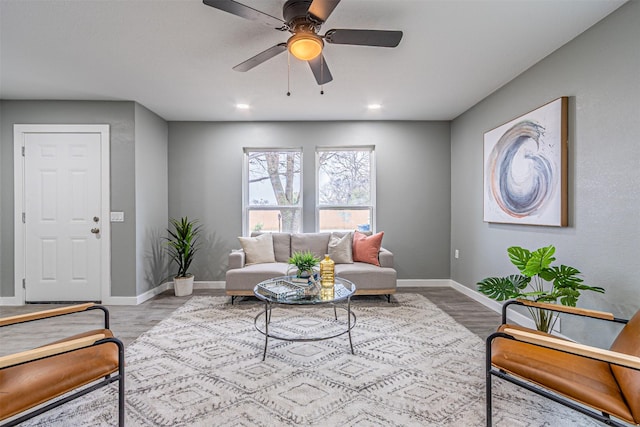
(151, 198)
(413, 187)
(600, 72)
(120, 117)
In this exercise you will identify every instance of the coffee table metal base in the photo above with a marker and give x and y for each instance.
(268, 306)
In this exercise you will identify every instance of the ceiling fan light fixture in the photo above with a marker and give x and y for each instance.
(305, 46)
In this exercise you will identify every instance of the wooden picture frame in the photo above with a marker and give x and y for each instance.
(525, 168)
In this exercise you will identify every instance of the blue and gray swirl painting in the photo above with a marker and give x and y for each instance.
(521, 172)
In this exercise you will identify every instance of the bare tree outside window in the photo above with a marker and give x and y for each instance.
(274, 191)
(345, 189)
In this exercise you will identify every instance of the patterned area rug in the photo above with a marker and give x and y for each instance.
(413, 366)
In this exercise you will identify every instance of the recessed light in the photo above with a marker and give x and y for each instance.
(374, 106)
(242, 106)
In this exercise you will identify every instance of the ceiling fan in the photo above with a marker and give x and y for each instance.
(303, 18)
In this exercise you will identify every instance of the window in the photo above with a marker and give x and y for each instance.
(345, 189)
(272, 190)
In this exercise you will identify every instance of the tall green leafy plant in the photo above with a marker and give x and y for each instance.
(539, 281)
(183, 243)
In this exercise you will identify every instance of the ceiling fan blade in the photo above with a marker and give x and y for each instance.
(383, 38)
(261, 57)
(246, 12)
(320, 69)
(321, 9)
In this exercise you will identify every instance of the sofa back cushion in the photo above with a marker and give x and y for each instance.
(281, 245)
(628, 342)
(317, 243)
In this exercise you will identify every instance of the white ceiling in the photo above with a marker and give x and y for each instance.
(175, 56)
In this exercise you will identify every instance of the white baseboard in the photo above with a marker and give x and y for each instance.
(423, 283)
(10, 301)
(496, 306)
(158, 290)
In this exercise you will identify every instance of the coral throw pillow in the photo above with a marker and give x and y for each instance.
(366, 248)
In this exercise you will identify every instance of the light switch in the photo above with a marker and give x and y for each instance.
(117, 216)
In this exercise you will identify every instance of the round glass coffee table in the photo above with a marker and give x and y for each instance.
(283, 291)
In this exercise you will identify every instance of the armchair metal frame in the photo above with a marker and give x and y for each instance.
(61, 348)
(556, 344)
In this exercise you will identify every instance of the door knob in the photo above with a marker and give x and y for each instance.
(95, 230)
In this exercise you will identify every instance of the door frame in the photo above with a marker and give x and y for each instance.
(19, 130)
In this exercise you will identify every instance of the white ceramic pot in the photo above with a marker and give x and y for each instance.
(183, 285)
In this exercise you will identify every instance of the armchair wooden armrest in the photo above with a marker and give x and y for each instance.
(49, 350)
(27, 317)
(577, 311)
(609, 356)
(566, 309)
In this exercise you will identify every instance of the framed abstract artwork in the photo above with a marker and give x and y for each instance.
(525, 168)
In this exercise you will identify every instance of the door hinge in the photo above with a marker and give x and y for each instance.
(24, 283)
(24, 218)
(23, 151)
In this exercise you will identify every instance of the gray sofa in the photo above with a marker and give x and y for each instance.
(369, 279)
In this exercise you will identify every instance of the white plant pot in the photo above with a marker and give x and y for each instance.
(183, 285)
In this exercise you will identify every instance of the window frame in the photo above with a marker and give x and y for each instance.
(247, 207)
(372, 184)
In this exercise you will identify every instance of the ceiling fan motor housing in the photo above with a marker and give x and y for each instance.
(295, 13)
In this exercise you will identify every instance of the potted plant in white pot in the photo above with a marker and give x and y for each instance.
(547, 283)
(182, 245)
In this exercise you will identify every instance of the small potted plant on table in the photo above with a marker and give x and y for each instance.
(304, 262)
(182, 245)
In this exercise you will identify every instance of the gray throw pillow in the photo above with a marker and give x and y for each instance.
(258, 250)
(340, 248)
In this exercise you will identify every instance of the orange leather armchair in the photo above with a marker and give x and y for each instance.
(599, 383)
(89, 360)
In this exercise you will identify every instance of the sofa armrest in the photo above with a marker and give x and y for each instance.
(236, 259)
(386, 258)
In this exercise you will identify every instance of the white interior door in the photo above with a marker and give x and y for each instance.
(62, 216)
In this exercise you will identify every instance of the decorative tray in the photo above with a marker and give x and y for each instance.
(282, 289)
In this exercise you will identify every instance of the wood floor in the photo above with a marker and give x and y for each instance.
(128, 322)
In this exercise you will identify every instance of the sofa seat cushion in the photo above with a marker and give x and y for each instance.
(238, 278)
(25, 386)
(589, 381)
(367, 276)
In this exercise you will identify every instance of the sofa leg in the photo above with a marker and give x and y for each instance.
(389, 298)
(233, 298)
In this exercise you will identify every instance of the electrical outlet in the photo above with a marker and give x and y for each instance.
(456, 254)
(117, 216)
